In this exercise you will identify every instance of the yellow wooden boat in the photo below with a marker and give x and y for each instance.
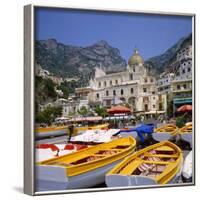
(165, 132)
(79, 130)
(84, 168)
(42, 132)
(185, 133)
(160, 163)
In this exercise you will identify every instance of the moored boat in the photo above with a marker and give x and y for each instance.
(165, 132)
(95, 136)
(185, 133)
(42, 132)
(82, 129)
(84, 168)
(47, 151)
(160, 163)
(187, 168)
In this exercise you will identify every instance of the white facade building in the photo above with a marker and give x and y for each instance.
(178, 84)
(185, 53)
(133, 86)
(164, 82)
(181, 80)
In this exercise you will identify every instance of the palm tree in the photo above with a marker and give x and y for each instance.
(83, 111)
(101, 111)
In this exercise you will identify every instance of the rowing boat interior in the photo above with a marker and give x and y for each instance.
(88, 156)
(169, 128)
(186, 129)
(150, 163)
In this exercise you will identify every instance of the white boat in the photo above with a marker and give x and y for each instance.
(47, 151)
(51, 131)
(84, 168)
(95, 136)
(157, 164)
(187, 167)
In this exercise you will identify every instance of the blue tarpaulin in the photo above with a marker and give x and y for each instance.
(141, 129)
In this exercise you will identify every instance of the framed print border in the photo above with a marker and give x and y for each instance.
(29, 141)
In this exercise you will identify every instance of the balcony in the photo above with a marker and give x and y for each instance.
(182, 89)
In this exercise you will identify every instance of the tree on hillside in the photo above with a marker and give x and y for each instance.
(48, 115)
(49, 88)
(65, 91)
(44, 90)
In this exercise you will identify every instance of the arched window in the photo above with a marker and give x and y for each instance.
(122, 92)
(105, 83)
(107, 93)
(114, 92)
(99, 84)
(110, 83)
(97, 95)
(116, 82)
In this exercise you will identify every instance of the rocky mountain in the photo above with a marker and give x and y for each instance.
(159, 63)
(80, 62)
(73, 61)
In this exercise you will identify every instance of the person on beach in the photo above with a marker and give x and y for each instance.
(71, 129)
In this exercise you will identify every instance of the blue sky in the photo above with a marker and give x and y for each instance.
(151, 34)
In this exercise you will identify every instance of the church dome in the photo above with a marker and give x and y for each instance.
(135, 58)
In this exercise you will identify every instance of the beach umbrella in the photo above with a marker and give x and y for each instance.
(185, 108)
(118, 110)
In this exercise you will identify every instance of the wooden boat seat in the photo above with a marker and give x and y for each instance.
(165, 148)
(120, 147)
(87, 159)
(161, 155)
(117, 149)
(108, 151)
(156, 162)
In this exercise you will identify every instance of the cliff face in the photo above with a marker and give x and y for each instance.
(71, 61)
(80, 62)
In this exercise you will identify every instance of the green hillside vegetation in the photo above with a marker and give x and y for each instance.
(48, 115)
(44, 89)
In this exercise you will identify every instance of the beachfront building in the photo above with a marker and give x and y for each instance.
(133, 86)
(70, 108)
(178, 85)
(76, 101)
(164, 83)
(182, 83)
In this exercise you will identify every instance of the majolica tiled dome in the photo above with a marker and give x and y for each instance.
(135, 58)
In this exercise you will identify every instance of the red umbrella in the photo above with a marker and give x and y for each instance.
(185, 108)
(118, 109)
